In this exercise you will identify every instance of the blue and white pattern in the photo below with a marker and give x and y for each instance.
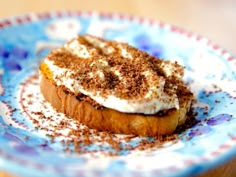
(25, 150)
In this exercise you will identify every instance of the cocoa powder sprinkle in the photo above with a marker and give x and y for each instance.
(119, 75)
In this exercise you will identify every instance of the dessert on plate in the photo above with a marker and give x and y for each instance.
(112, 86)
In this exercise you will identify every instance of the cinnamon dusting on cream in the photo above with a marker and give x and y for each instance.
(117, 75)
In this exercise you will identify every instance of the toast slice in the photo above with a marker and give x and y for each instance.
(111, 86)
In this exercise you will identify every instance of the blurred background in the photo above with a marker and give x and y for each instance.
(214, 19)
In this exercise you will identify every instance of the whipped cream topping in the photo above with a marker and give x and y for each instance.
(93, 56)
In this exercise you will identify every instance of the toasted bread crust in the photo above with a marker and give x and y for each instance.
(109, 119)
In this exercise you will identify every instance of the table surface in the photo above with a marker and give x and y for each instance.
(214, 19)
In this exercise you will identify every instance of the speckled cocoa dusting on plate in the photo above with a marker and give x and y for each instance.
(75, 137)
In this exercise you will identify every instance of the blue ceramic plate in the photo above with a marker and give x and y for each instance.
(28, 124)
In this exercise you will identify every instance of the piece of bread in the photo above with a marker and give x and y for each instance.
(86, 110)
